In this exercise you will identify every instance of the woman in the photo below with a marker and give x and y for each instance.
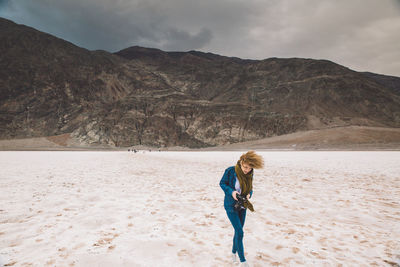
(238, 182)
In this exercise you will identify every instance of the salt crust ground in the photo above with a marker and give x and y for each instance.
(165, 209)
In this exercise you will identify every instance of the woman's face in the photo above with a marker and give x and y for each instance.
(245, 167)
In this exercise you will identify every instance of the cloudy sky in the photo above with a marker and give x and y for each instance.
(361, 34)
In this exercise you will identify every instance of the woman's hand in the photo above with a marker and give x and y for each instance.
(234, 195)
(248, 196)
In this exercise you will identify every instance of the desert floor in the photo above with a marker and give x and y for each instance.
(316, 208)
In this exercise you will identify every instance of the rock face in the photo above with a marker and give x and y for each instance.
(142, 96)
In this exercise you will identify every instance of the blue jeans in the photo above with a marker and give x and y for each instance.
(237, 219)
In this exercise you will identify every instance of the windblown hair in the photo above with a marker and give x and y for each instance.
(252, 159)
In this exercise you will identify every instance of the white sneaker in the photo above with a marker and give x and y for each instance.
(244, 264)
(234, 258)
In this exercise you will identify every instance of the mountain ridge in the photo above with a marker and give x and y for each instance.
(146, 96)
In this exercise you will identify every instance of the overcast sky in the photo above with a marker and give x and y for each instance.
(363, 35)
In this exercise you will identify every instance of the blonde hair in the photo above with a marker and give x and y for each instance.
(252, 159)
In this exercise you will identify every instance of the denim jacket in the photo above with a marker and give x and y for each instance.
(227, 184)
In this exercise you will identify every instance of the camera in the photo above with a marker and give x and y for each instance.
(239, 205)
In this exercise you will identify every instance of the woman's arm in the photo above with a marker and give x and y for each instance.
(224, 184)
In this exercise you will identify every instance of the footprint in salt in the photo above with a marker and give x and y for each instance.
(51, 262)
(323, 241)
(78, 246)
(149, 202)
(318, 255)
(183, 253)
(63, 252)
(276, 263)
(14, 243)
(11, 263)
(269, 222)
(106, 240)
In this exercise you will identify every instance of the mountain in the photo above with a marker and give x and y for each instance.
(390, 82)
(144, 96)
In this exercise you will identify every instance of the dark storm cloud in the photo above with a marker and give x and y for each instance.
(4, 3)
(111, 25)
(360, 34)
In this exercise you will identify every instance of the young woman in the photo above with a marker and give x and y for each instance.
(237, 182)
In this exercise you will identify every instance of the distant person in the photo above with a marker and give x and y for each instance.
(237, 183)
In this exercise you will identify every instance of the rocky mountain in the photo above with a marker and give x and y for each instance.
(390, 82)
(150, 97)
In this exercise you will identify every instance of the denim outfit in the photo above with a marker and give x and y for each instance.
(237, 218)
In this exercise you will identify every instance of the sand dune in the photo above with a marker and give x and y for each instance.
(166, 209)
